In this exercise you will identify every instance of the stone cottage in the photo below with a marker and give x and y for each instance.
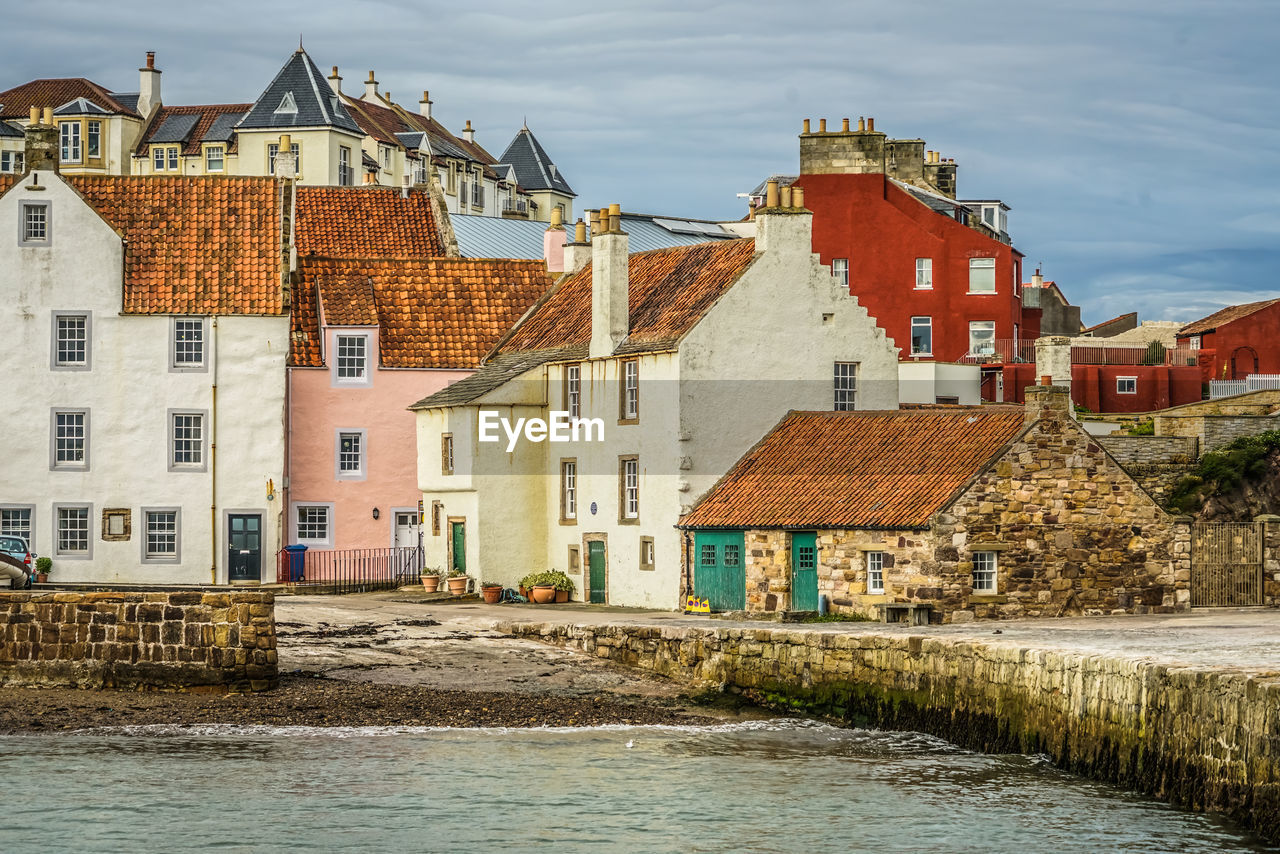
(966, 513)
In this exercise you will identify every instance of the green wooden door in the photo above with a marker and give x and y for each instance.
(804, 571)
(718, 573)
(458, 531)
(595, 565)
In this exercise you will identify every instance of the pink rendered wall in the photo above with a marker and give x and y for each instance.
(318, 411)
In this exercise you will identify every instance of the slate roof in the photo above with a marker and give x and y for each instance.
(534, 167)
(54, 92)
(431, 312)
(1224, 316)
(175, 128)
(365, 222)
(7, 129)
(128, 100)
(496, 237)
(857, 469)
(194, 125)
(311, 100)
(195, 245)
(670, 290)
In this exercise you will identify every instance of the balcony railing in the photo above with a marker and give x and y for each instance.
(349, 570)
(1008, 351)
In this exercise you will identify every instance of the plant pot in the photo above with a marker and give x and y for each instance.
(562, 596)
(430, 583)
(524, 591)
(491, 594)
(458, 584)
(543, 594)
(42, 578)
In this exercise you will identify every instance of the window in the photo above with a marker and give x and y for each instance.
(922, 336)
(351, 454)
(353, 358)
(188, 343)
(924, 273)
(15, 521)
(1126, 385)
(70, 439)
(274, 148)
(160, 535)
(575, 560)
(982, 337)
(477, 193)
(568, 490)
(732, 555)
(10, 161)
(446, 453)
(875, 572)
(984, 572)
(437, 510)
(313, 523)
(69, 134)
(384, 155)
(1194, 342)
(646, 553)
(35, 224)
(840, 270)
(846, 386)
(629, 489)
(172, 151)
(157, 158)
(346, 175)
(93, 139)
(462, 194)
(573, 390)
(982, 275)
(629, 402)
(72, 535)
(186, 441)
(214, 156)
(71, 335)
(708, 556)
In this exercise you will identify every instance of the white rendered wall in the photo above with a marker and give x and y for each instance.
(925, 382)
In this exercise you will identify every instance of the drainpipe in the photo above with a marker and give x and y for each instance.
(213, 460)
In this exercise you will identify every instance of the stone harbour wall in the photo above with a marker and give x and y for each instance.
(155, 641)
(1198, 737)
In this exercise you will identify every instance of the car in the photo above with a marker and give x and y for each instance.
(16, 548)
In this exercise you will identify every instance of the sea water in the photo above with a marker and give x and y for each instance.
(771, 786)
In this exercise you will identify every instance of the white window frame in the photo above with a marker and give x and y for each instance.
(58, 551)
(296, 525)
(209, 159)
(569, 490)
(365, 375)
(172, 151)
(361, 440)
(11, 161)
(630, 492)
(630, 390)
(151, 557)
(157, 158)
(573, 390)
(70, 145)
(35, 223)
(982, 326)
(346, 176)
(840, 271)
(7, 528)
(446, 454)
(924, 274)
(1122, 382)
(926, 324)
(1193, 343)
(175, 328)
(93, 139)
(983, 268)
(202, 448)
(875, 573)
(55, 464)
(845, 386)
(273, 148)
(55, 345)
(986, 569)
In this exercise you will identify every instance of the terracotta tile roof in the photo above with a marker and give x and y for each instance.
(431, 312)
(365, 222)
(670, 290)
(196, 245)
(207, 113)
(1224, 316)
(857, 469)
(16, 103)
(7, 180)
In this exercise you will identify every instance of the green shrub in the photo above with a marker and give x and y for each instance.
(1143, 428)
(1224, 470)
(552, 577)
(44, 564)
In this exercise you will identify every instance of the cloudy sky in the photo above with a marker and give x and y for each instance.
(1136, 142)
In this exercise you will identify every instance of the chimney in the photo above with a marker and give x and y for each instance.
(806, 126)
(335, 81)
(468, 133)
(610, 320)
(844, 125)
(1037, 281)
(871, 125)
(577, 252)
(771, 193)
(371, 89)
(785, 229)
(822, 125)
(1053, 360)
(286, 162)
(424, 106)
(40, 149)
(554, 240)
(1047, 402)
(148, 86)
(862, 125)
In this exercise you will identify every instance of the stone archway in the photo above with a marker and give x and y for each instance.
(1244, 361)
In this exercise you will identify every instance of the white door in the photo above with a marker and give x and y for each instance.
(406, 530)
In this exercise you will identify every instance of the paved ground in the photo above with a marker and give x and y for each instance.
(464, 644)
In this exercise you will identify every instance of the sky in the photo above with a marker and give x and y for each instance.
(1134, 140)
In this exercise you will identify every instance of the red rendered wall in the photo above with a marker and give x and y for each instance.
(1258, 333)
(1094, 386)
(882, 230)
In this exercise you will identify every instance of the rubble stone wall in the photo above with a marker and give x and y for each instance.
(157, 641)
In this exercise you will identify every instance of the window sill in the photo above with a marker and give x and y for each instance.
(634, 520)
(623, 422)
(72, 556)
(569, 522)
(922, 355)
(923, 288)
(983, 293)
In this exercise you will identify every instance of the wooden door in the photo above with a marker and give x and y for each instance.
(804, 571)
(718, 573)
(595, 571)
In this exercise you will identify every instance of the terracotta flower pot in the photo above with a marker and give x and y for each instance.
(491, 594)
(524, 591)
(42, 577)
(431, 583)
(544, 594)
(562, 596)
(457, 584)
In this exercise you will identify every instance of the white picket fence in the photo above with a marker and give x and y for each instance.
(1254, 382)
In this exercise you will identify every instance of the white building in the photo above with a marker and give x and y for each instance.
(684, 357)
(143, 334)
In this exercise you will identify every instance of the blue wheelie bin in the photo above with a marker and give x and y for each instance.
(297, 561)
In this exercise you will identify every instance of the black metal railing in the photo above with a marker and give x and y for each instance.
(349, 570)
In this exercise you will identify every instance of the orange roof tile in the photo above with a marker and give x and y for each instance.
(208, 115)
(856, 469)
(1224, 316)
(670, 290)
(365, 222)
(431, 312)
(16, 103)
(7, 180)
(194, 245)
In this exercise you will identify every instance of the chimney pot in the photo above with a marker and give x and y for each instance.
(785, 197)
(771, 193)
(822, 125)
(806, 126)
(48, 117)
(862, 125)
(151, 59)
(797, 196)
(371, 80)
(556, 222)
(1045, 379)
(35, 116)
(579, 231)
(844, 126)
(871, 125)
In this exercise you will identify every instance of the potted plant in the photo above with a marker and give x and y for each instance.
(43, 566)
(526, 585)
(491, 591)
(457, 581)
(431, 579)
(562, 583)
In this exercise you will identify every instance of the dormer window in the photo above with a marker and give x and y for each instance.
(287, 104)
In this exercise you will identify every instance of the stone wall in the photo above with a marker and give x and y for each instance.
(1222, 430)
(160, 641)
(1155, 462)
(1271, 559)
(1198, 737)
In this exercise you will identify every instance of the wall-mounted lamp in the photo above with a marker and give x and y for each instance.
(376, 514)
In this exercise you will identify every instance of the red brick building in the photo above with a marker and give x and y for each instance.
(1236, 341)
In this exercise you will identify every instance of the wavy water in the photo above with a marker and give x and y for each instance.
(764, 786)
